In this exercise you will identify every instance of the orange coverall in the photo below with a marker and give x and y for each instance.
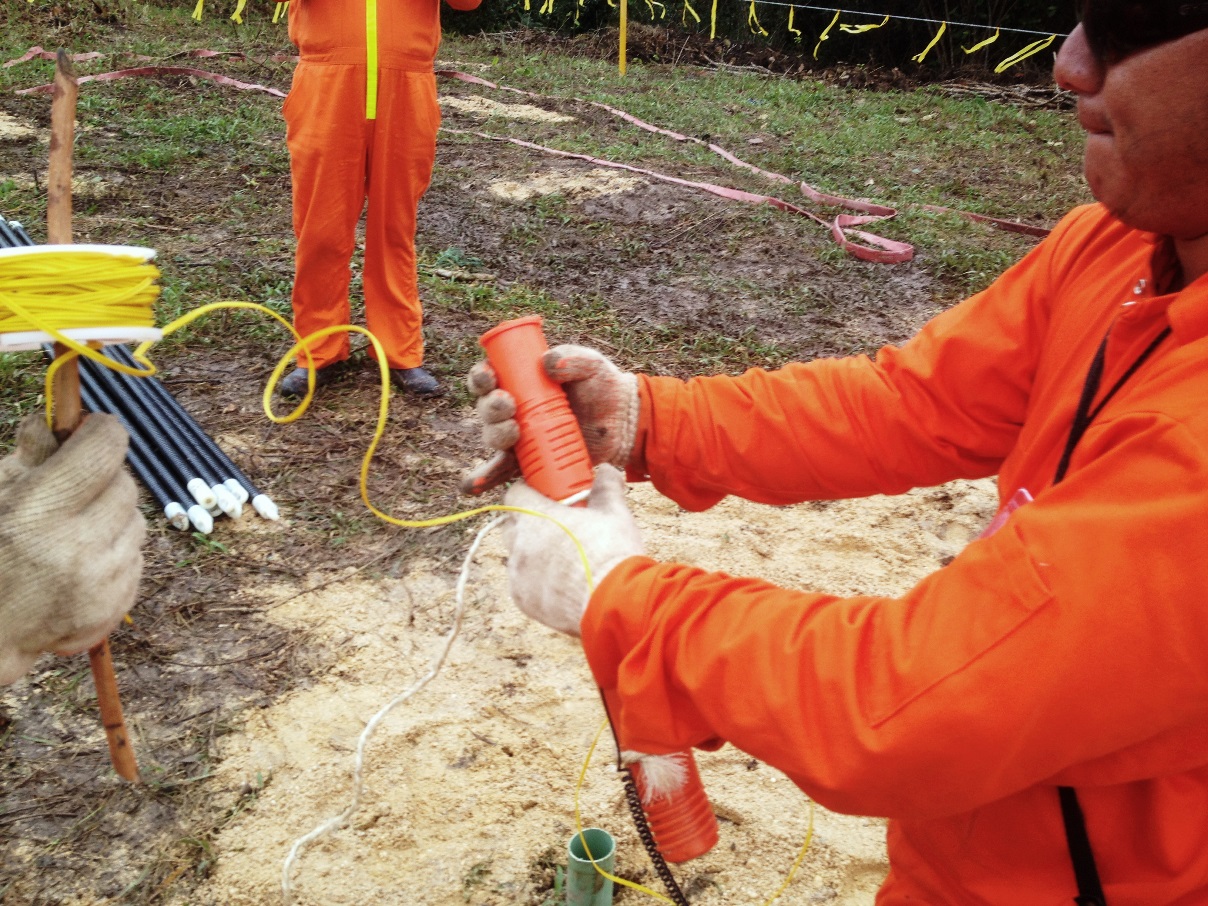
(356, 130)
(1068, 649)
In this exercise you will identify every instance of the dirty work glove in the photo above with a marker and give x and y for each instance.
(603, 398)
(70, 533)
(545, 572)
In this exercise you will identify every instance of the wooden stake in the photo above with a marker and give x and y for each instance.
(68, 411)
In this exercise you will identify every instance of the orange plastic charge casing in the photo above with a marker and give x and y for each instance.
(682, 822)
(551, 451)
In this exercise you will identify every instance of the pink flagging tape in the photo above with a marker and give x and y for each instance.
(41, 54)
(842, 227)
(142, 71)
(885, 251)
(1010, 226)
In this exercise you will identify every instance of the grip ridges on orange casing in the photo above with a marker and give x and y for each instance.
(551, 451)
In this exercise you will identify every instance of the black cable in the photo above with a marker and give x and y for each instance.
(634, 799)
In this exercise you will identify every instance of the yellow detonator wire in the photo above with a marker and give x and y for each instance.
(53, 292)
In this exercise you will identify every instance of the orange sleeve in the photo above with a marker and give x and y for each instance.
(1075, 632)
(464, 4)
(1068, 644)
(948, 404)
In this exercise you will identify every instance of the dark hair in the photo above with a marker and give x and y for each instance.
(1118, 28)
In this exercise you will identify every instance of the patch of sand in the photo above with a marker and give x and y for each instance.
(81, 186)
(485, 108)
(590, 184)
(13, 129)
(469, 787)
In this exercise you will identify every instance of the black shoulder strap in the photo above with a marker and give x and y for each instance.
(1090, 890)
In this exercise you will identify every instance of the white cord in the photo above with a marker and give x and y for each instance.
(357, 773)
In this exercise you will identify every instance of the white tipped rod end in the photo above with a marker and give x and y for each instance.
(176, 516)
(227, 502)
(200, 519)
(201, 493)
(265, 507)
(237, 490)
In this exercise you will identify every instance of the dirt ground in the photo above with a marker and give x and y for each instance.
(257, 656)
(469, 787)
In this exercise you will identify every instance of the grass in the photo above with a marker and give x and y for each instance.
(836, 139)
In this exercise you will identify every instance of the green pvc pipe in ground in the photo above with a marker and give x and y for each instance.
(584, 885)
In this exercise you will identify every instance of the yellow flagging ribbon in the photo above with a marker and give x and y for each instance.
(689, 11)
(1034, 48)
(713, 22)
(861, 29)
(281, 9)
(546, 8)
(753, 22)
(371, 59)
(652, 4)
(825, 33)
(237, 16)
(980, 44)
(920, 57)
(198, 10)
(792, 30)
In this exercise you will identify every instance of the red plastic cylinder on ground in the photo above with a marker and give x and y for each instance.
(681, 818)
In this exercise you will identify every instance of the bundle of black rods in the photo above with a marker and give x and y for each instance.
(186, 472)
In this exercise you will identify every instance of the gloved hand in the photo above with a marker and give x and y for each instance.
(70, 533)
(603, 398)
(545, 572)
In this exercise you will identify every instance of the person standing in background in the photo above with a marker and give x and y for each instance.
(361, 120)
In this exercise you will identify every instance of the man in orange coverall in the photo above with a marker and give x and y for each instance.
(1033, 717)
(361, 120)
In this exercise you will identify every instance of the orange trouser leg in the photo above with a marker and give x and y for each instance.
(402, 152)
(326, 132)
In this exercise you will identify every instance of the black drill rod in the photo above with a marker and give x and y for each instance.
(169, 450)
(184, 421)
(95, 400)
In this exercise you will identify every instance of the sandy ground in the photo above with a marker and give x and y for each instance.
(469, 787)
